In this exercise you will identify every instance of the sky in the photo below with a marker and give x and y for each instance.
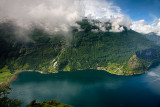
(145, 14)
(53, 16)
(140, 9)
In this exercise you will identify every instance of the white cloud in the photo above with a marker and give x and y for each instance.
(116, 22)
(142, 27)
(101, 9)
(50, 15)
(106, 11)
(58, 15)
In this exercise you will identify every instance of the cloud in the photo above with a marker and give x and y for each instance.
(57, 15)
(101, 9)
(116, 22)
(50, 15)
(142, 27)
(54, 16)
(106, 12)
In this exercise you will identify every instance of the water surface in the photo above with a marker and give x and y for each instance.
(90, 88)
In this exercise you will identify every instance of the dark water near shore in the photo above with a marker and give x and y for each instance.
(90, 88)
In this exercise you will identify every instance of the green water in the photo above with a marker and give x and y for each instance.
(90, 88)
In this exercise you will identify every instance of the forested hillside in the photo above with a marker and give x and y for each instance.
(18, 55)
(153, 37)
(115, 52)
(121, 53)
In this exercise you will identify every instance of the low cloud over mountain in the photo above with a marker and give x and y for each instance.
(55, 16)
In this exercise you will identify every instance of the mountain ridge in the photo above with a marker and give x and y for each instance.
(120, 53)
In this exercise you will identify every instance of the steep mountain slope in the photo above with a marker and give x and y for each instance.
(16, 55)
(121, 53)
(153, 37)
(118, 53)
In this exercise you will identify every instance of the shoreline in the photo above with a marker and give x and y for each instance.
(15, 75)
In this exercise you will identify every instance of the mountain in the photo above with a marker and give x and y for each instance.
(153, 37)
(120, 53)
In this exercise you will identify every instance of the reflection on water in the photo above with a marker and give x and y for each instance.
(90, 88)
(153, 79)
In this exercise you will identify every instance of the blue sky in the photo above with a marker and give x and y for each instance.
(139, 9)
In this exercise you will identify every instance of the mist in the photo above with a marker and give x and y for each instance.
(58, 16)
(50, 15)
(54, 16)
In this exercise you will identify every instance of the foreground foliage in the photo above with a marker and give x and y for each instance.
(52, 103)
(5, 101)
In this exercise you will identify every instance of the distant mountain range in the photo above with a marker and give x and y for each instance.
(153, 37)
(120, 53)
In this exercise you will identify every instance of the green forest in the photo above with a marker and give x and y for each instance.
(120, 53)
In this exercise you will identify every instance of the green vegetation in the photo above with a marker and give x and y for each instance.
(52, 103)
(121, 53)
(108, 51)
(5, 74)
(35, 55)
(5, 101)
